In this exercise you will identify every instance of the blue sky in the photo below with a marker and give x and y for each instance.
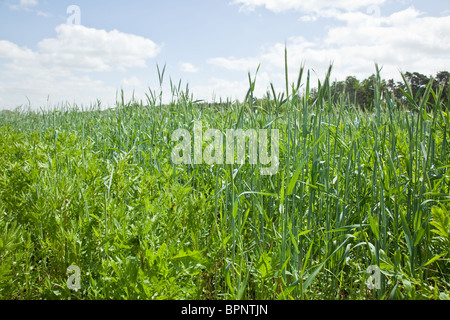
(212, 45)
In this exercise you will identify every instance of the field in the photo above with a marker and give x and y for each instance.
(355, 191)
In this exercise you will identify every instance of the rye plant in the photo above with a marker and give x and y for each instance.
(96, 187)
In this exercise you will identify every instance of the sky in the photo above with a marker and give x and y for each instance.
(82, 53)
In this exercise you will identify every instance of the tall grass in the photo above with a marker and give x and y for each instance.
(355, 189)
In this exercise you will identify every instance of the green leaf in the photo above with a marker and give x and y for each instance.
(441, 221)
(235, 208)
(304, 232)
(312, 276)
(297, 172)
(264, 265)
(392, 296)
(317, 270)
(434, 259)
(419, 236)
(194, 255)
(294, 241)
(294, 178)
(305, 262)
(374, 227)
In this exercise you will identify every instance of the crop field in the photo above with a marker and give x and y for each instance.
(358, 207)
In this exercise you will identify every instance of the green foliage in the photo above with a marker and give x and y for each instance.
(97, 188)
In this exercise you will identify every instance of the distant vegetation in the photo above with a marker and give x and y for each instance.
(361, 93)
(364, 180)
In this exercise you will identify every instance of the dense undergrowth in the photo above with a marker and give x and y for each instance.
(97, 188)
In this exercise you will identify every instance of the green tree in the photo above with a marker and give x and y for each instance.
(442, 79)
(418, 83)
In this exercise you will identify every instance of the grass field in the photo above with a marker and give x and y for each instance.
(97, 189)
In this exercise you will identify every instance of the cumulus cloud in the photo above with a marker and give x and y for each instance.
(406, 40)
(9, 50)
(305, 5)
(60, 66)
(84, 49)
(88, 49)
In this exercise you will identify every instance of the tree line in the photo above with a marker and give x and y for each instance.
(361, 93)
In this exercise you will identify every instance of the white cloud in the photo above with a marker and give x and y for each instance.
(405, 40)
(232, 89)
(9, 50)
(232, 63)
(77, 48)
(48, 90)
(188, 67)
(305, 5)
(60, 65)
(88, 49)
